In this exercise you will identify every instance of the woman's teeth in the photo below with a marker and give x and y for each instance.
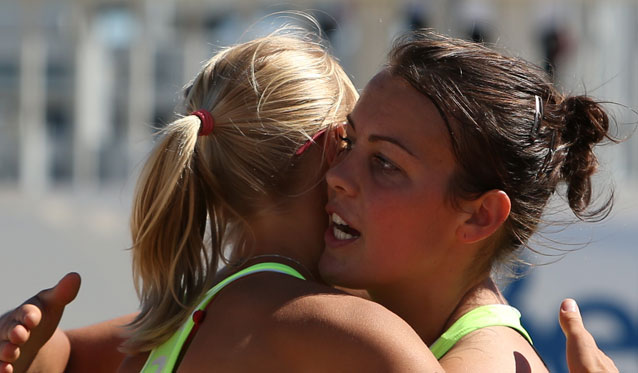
(338, 220)
(341, 230)
(341, 235)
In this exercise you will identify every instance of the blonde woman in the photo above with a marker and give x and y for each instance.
(238, 178)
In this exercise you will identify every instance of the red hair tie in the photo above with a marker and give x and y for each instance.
(207, 121)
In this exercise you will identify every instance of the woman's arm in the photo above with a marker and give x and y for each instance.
(31, 332)
(94, 348)
(99, 343)
(30, 339)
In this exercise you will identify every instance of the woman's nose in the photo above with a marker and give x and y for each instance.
(342, 175)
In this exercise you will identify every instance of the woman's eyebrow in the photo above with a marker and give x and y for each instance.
(391, 140)
(376, 138)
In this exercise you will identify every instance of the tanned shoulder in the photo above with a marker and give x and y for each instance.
(333, 331)
(493, 349)
(274, 322)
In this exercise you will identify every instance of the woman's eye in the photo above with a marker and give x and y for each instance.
(382, 163)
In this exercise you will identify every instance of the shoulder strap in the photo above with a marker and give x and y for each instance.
(480, 317)
(164, 357)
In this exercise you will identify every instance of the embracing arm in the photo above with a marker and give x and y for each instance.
(352, 335)
(94, 348)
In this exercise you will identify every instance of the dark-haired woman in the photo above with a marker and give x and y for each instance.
(452, 153)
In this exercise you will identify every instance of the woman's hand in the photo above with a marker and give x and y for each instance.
(583, 355)
(26, 329)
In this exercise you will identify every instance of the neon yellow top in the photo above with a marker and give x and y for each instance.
(480, 317)
(164, 358)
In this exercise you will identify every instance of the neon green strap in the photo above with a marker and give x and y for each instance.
(480, 317)
(163, 358)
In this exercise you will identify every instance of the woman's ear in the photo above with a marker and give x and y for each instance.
(486, 215)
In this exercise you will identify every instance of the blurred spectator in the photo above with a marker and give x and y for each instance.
(554, 42)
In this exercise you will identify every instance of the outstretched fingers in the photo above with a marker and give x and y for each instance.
(18, 335)
(6, 368)
(15, 328)
(27, 328)
(25, 318)
(63, 293)
(9, 352)
(583, 355)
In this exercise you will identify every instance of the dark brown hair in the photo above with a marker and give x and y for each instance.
(488, 103)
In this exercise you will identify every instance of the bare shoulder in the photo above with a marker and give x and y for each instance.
(493, 349)
(331, 330)
(275, 322)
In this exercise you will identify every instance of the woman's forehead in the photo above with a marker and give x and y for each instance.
(390, 106)
(393, 100)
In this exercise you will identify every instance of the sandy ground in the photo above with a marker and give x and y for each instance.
(87, 231)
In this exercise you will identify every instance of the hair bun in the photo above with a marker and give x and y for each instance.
(586, 124)
(585, 121)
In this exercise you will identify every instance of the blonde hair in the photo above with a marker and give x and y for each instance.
(268, 97)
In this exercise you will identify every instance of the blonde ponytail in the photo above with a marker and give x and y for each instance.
(168, 226)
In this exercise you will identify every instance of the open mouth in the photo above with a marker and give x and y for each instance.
(341, 230)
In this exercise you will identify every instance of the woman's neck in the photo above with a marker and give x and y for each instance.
(433, 308)
(272, 239)
(282, 259)
(483, 293)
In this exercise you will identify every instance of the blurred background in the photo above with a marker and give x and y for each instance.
(82, 83)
